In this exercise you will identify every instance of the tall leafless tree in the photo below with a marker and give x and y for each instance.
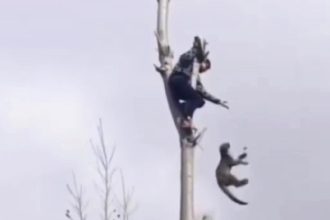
(106, 170)
(187, 148)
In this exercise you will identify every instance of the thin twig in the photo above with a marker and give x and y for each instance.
(79, 205)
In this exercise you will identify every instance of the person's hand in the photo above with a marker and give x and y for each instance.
(222, 103)
(204, 66)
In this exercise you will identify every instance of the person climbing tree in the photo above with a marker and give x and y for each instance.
(186, 86)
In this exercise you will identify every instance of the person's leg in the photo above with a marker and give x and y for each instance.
(195, 101)
(182, 90)
(176, 83)
(192, 98)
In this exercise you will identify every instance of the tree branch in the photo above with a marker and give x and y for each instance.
(77, 195)
(105, 171)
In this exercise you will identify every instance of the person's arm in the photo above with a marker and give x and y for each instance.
(200, 88)
(187, 59)
(196, 51)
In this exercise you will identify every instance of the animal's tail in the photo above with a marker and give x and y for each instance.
(231, 196)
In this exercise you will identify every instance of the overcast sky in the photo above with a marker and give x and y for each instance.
(65, 63)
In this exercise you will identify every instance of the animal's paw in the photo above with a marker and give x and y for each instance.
(244, 163)
(242, 156)
(245, 181)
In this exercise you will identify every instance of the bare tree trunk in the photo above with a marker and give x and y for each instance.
(187, 150)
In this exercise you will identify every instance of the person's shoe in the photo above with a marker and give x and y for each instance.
(191, 125)
(186, 124)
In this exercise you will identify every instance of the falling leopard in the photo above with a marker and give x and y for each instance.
(223, 175)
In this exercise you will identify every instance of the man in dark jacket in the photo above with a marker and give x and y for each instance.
(186, 86)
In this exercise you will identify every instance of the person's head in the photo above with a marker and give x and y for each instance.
(204, 66)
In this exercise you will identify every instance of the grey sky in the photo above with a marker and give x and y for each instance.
(63, 64)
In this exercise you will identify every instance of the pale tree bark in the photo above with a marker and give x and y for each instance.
(187, 149)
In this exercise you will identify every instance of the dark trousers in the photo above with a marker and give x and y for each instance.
(183, 91)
